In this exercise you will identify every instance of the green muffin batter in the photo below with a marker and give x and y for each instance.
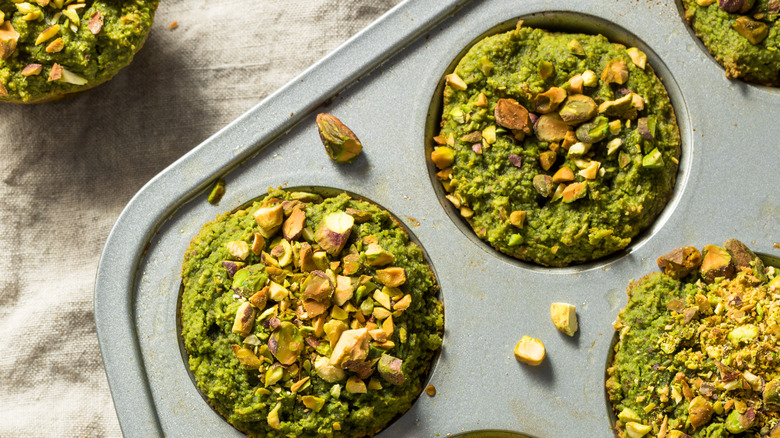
(49, 48)
(697, 354)
(308, 317)
(556, 148)
(742, 35)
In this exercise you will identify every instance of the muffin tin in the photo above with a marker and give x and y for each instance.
(724, 189)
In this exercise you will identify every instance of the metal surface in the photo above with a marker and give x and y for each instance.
(729, 159)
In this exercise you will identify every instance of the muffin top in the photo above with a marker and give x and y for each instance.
(308, 317)
(49, 48)
(697, 351)
(742, 35)
(556, 148)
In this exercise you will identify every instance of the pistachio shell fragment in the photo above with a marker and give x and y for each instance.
(530, 351)
(341, 144)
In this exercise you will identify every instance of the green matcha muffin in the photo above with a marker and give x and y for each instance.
(50, 48)
(308, 317)
(742, 35)
(556, 148)
(697, 354)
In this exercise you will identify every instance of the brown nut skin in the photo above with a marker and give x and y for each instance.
(736, 6)
(680, 262)
(510, 114)
(745, 259)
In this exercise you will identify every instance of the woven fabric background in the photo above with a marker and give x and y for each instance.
(68, 168)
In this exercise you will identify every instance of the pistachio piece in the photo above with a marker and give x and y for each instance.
(443, 157)
(317, 287)
(248, 280)
(680, 262)
(517, 218)
(646, 126)
(593, 131)
(8, 39)
(564, 317)
(591, 171)
(377, 256)
(699, 411)
(47, 34)
(755, 31)
(273, 417)
(551, 128)
(575, 47)
(260, 298)
(738, 422)
(579, 149)
(575, 84)
(55, 46)
(352, 345)
(333, 330)
(627, 415)
(95, 23)
(286, 343)
(512, 115)
(545, 69)
(454, 81)
(716, 263)
(744, 258)
(653, 160)
(547, 159)
(246, 357)
(344, 290)
(391, 277)
(245, 319)
(637, 430)
(529, 351)
(238, 249)
(403, 303)
(564, 174)
(350, 264)
(736, 6)
(32, 70)
(269, 219)
(548, 101)
(569, 140)
(430, 390)
(578, 108)
(334, 231)
(574, 191)
(341, 144)
(313, 403)
(391, 369)
(743, 333)
(617, 107)
(355, 385)
(615, 72)
(589, 78)
(543, 185)
(638, 57)
(293, 225)
(772, 393)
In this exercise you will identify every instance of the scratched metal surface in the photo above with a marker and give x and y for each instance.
(729, 159)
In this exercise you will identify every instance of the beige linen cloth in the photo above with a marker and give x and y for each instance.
(68, 168)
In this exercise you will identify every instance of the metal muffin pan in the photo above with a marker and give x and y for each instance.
(727, 174)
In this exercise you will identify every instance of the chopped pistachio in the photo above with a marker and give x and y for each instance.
(699, 411)
(341, 144)
(753, 30)
(443, 157)
(333, 232)
(637, 430)
(577, 109)
(245, 319)
(216, 192)
(32, 70)
(391, 369)
(313, 403)
(512, 115)
(430, 390)
(579, 149)
(517, 218)
(529, 351)
(47, 34)
(454, 81)
(545, 69)
(564, 317)
(638, 57)
(564, 174)
(551, 128)
(614, 145)
(543, 185)
(653, 160)
(8, 39)
(589, 78)
(482, 100)
(574, 191)
(575, 47)
(269, 219)
(615, 72)
(273, 417)
(591, 171)
(391, 277)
